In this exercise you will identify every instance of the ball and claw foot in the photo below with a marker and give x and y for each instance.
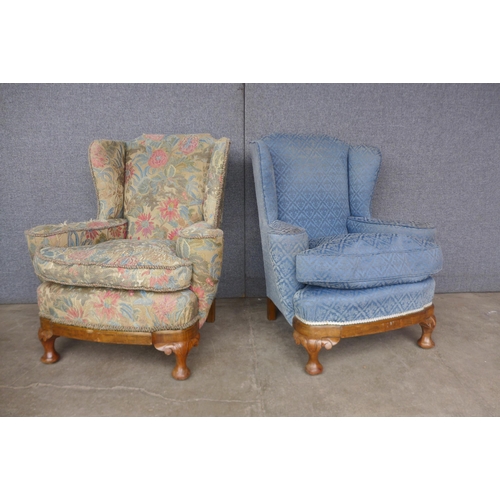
(47, 338)
(428, 325)
(313, 346)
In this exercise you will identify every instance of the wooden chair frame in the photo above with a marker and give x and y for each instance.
(179, 342)
(314, 337)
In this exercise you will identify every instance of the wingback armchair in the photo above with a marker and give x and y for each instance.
(330, 268)
(147, 270)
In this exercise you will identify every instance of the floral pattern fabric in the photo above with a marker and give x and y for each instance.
(127, 264)
(165, 180)
(75, 234)
(107, 165)
(111, 309)
(214, 191)
(203, 245)
(164, 187)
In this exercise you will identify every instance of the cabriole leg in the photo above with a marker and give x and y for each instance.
(47, 338)
(180, 343)
(313, 346)
(428, 325)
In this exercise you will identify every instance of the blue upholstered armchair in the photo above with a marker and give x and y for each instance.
(331, 269)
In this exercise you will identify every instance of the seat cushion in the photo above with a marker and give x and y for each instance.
(353, 261)
(128, 264)
(322, 306)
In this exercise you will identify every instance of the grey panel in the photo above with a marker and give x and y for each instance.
(440, 162)
(45, 131)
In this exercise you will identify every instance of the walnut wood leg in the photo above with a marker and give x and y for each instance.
(272, 310)
(313, 346)
(428, 325)
(180, 343)
(47, 338)
(211, 313)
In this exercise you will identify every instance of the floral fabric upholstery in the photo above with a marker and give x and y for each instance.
(368, 260)
(165, 180)
(111, 309)
(127, 264)
(310, 190)
(108, 171)
(203, 245)
(160, 185)
(411, 228)
(322, 306)
(75, 234)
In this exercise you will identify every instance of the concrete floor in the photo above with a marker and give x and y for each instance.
(248, 366)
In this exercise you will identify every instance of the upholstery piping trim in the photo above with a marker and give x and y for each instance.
(362, 321)
(53, 260)
(175, 288)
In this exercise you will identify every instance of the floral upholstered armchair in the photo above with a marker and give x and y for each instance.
(331, 269)
(147, 271)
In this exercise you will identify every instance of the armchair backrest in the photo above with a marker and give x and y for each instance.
(311, 177)
(317, 181)
(160, 184)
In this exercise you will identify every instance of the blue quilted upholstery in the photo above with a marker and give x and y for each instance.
(313, 304)
(367, 225)
(311, 182)
(368, 260)
(312, 189)
(364, 164)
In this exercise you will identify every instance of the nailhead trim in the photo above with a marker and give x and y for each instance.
(119, 328)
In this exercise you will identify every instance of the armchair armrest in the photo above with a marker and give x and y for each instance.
(75, 234)
(203, 245)
(367, 225)
(285, 242)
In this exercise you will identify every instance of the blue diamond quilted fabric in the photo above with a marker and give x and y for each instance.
(368, 260)
(311, 178)
(322, 306)
(313, 190)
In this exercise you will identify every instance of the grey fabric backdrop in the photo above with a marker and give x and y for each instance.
(440, 162)
(45, 178)
(440, 146)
